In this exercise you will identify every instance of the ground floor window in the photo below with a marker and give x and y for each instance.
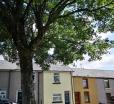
(110, 99)
(57, 98)
(86, 97)
(3, 94)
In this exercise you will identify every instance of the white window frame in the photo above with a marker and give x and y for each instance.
(57, 97)
(106, 83)
(56, 77)
(85, 83)
(3, 94)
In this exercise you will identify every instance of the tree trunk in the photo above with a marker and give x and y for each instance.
(27, 86)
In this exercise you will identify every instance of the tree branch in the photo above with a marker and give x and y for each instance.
(42, 29)
(27, 9)
(85, 9)
(59, 3)
(39, 11)
(56, 11)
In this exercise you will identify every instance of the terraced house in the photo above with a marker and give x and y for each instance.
(56, 86)
(10, 82)
(85, 88)
(59, 85)
(93, 86)
(53, 86)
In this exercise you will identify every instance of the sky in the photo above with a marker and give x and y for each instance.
(107, 62)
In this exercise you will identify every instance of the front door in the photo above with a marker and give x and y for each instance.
(67, 97)
(77, 98)
(19, 97)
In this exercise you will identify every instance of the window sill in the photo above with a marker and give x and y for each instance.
(87, 102)
(85, 87)
(56, 82)
(57, 102)
(107, 88)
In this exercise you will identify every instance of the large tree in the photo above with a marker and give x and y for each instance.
(29, 28)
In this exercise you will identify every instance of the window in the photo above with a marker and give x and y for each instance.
(56, 78)
(57, 98)
(2, 94)
(109, 98)
(85, 83)
(106, 83)
(86, 97)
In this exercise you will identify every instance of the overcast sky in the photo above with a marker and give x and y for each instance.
(107, 62)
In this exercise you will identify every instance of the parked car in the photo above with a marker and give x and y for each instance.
(6, 101)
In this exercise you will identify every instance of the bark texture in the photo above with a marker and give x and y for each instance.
(28, 96)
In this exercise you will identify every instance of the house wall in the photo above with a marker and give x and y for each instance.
(111, 81)
(36, 86)
(41, 95)
(15, 84)
(11, 82)
(4, 80)
(102, 90)
(50, 88)
(92, 89)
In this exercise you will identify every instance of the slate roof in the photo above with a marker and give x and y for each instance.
(60, 67)
(93, 73)
(54, 67)
(5, 65)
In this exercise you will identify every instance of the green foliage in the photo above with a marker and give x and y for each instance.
(68, 26)
(8, 50)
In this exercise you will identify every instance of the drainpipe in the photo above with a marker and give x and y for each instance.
(38, 89)
(9, 79)
(72, 86)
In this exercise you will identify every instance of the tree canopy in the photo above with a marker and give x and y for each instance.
(29, 28)
(68, 26)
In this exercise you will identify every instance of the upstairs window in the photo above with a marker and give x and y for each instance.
(56, 78)
(85, 83)
(57, 98)
(106, 83)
